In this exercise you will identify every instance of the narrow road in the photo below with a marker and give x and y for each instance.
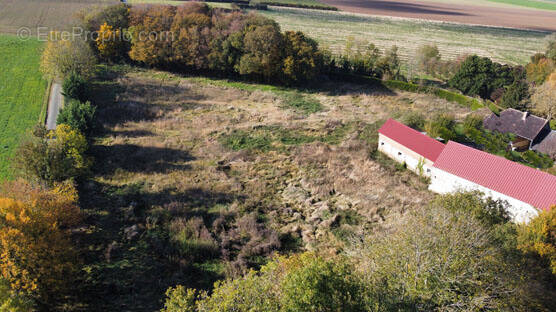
(54, 104)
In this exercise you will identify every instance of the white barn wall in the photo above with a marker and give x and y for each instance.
(443, 182)
(392, 148)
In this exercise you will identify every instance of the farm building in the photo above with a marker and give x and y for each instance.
(455, 167)
(409, 146)
(529, 130)
(547, 145)
(462, 168)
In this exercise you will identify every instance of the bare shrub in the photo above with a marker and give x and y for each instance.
(192, 238)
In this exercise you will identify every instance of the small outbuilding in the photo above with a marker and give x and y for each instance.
(409, 146)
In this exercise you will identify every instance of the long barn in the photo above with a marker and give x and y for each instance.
(462, 168)
(455, 167)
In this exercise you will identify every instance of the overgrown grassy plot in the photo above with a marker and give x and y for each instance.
(22, 94)
(198, 178)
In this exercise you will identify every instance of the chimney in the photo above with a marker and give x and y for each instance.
(525, 115)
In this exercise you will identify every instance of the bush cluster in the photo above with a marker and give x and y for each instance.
(458, 254)
(480, 76)
(429, 60)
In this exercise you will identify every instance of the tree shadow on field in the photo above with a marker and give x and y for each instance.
(139, 159)
(132, 273)
(130, 133)
(346, 87)
(122, 99)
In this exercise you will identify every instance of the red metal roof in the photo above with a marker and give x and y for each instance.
(526, 184)
(412, 139)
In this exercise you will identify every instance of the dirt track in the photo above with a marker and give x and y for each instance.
(469, 14)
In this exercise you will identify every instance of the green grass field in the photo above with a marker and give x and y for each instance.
(332, 29)
(22, 94)
(533, 4)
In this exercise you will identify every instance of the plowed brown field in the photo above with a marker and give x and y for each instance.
(449, 12)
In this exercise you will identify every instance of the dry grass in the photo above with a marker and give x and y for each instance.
(166, 134)
(203, 210)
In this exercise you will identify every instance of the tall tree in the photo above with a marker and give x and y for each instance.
(303, 59)
(37, 255)
(543, 100)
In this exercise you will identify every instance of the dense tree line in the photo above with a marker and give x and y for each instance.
(195, 38)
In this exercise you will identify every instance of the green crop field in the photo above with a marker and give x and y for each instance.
(22, 94)
(533, 4)
(332, 29)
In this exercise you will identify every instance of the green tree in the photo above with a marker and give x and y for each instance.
(63, 57)
(551, 50)
(414, 120)
(441, 125)
(490, 212)
(438, 259)
(263, 53)
(389, 65)
(75, 87)
(303, 282)
(13, 301)
(302, 60)
(474, 77)
(53, 156)
(515, 94)
(78, 115)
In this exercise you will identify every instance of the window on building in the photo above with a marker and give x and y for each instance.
(381, 143)
(399, 153)
(428, 170)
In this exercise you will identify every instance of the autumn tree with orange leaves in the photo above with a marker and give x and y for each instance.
(37, 257)
(110, 43)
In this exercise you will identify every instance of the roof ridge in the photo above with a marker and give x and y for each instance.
(500, 158)
(499, 174)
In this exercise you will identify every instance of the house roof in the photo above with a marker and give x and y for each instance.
(516, 122)
(526, 184)
(414, 140)
(547, 145)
